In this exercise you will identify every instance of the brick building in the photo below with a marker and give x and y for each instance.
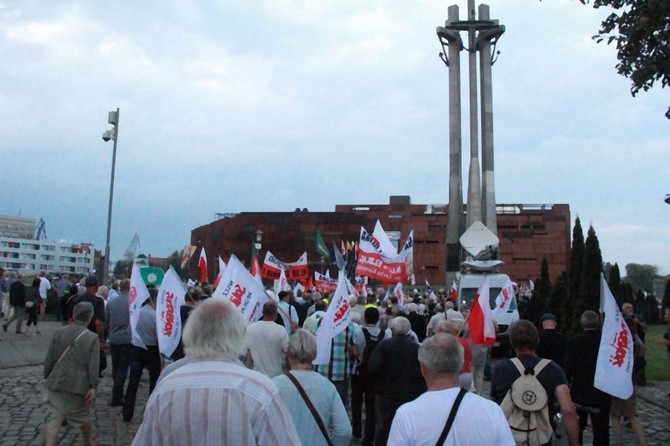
(526, 232)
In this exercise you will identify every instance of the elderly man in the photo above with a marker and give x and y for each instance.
(423, 421)
(267, 342)
(394, 365)
(71, 372)
(455, 327)
(235, 405)
(524, 339)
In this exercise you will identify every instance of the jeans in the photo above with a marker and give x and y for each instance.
(343, 390)
(139, 359)
(120, 365)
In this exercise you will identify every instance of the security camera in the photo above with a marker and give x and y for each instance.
(109, 134)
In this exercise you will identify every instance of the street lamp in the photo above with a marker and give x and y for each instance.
(258, 239)
(113, 134)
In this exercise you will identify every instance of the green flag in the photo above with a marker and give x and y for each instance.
(152, 276)
(321, 248)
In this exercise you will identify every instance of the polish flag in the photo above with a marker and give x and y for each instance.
(222, 268)
(397, 292)
(255, 266)
(202, 264)
(453, 292)
(480, 319)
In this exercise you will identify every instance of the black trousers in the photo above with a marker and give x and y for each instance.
(600, 423)
(120, 365)
(386, 409)
(139, 360)
(363, 391)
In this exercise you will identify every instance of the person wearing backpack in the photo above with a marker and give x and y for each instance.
(527, 398)
(362, 387)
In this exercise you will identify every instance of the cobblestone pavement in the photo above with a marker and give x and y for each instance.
(22, 412)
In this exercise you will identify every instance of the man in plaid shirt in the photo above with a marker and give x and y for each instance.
(342, 351)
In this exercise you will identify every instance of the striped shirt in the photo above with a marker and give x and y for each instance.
(216, 402)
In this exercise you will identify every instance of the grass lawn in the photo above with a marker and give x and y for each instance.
(658, 365)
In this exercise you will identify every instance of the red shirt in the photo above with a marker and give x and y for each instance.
(467, 355)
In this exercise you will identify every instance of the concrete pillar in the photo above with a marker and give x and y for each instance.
(486, 89)
(455, 217)
(474, 210)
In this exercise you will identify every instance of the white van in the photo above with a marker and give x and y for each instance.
(467, 288)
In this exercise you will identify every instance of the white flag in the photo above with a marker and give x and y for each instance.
(504, 299)
(168, 321)
(281, 284)
(614, 368)
(336, 319)
(242, 289)
(136, 297)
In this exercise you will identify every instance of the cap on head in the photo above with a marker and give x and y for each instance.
(548, 317)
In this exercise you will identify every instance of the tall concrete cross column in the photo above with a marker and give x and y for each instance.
(483, 33)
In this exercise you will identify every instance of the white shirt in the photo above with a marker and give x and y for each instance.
(216, 402)
(288, 311)
(45, 286)
(267, 341)
(478, 421)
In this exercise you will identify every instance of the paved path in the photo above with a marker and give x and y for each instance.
(22, 411)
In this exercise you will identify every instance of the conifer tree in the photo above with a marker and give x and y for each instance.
(589, 287)
(574, 278)
(541, 294)
(614, 284)
(559, 293)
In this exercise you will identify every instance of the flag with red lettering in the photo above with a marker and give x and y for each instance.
(480, 319)
(504, 299)
(168, 321)
(296, 271)
(614, 367)
(202, 264)
(136, 297)
(372, 263)
(242, 289)
(324, 283)
(336, 319)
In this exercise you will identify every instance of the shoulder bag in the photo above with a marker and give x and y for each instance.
(311, 407)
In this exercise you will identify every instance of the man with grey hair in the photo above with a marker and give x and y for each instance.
(235, 405)
(394, 364)
(422, 421)
(117, 324)
(71, 372)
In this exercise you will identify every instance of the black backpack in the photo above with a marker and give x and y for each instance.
(371, 343)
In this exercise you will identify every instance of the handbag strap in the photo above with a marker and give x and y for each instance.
(452, 416)
(311, 407)
(68, 347)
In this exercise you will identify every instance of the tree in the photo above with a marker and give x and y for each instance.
(642, 36)
(589, 287)
(541, 295)
(174, 260)
(641, 276)
(574, 278)
(614, 284)
(122, 269)
(559, 293)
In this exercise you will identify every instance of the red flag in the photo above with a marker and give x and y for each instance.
(480, 320)
(202, 263)
(453, 292)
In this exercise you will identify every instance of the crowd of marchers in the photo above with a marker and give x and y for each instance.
(399, 373)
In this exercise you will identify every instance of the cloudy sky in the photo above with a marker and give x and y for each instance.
(269, 105)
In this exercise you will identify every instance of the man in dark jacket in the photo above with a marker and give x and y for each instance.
(394, 365)
(17, 300)
(580, 368)
(552, 342)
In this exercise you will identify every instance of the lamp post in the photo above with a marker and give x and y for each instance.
(113, 134)
(255, 250)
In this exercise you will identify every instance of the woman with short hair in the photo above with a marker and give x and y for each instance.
(320, 391)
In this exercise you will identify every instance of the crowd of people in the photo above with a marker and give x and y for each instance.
(398, 374)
